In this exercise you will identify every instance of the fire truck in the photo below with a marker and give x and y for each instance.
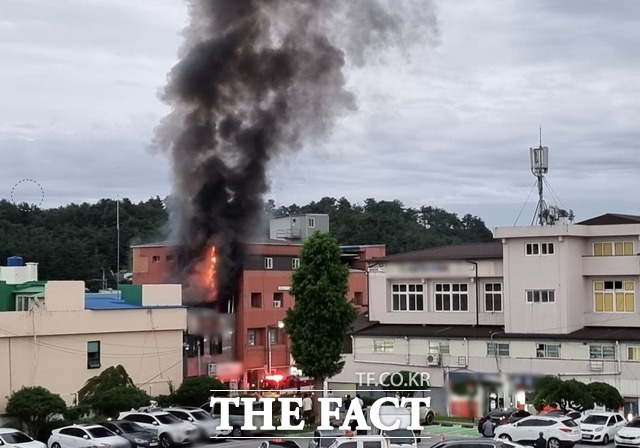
(277, 384)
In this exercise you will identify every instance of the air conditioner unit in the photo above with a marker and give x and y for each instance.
(462, 360)
(433, 360)
(596, 366)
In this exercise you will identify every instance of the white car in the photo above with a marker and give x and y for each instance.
(83, 436)
(170, 430)
(601, 426)
(629, 436)
(557, 431)
(401, 438)
(12, 438)
(206, 424)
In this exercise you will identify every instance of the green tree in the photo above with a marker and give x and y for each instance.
(405, 383)
(321, 316)
(195, 391)
(120, 399)
(605, 395)
(101, 391)
(568, 395)
(34, 406)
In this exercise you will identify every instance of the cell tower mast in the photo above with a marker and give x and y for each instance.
(539, 167)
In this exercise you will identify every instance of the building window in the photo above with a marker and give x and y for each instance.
(256, 300)
(497, 349)
(609, 249)
(358, 297)
(215, 345)
(278, 299)
(268, 263)
(295, 263)
(252, 338)
(452, 297)
(548, 351)
(156, 259)
(273, 336)
(170, 258)
(438, 348)
(602, 352)
(541, 296)
(407, 297)
(533, 249)
(633, 353)
(614, 296)
(383, 346)
(311, 222)
(93, 355)
(493, 297)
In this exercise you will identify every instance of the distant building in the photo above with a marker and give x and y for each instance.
(54, 335)
(297, 227)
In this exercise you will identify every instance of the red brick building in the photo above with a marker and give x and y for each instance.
(253, 338)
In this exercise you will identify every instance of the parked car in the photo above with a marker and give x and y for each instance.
(401, 438)
(207, 425)
(601, 426)
(137, 436)
(502, 417)
(370, 441)
(573, 415)
(170, 430)
(558, 431)
(324, 438)
(82, 436)
(236, 417)
(478, 443)
(12, 438)
(279, 443)
(629, 436)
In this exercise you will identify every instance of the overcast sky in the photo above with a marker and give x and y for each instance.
(451, 127)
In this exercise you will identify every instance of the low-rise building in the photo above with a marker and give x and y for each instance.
(54, 335)
(558, 299)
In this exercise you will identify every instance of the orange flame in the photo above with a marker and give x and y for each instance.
(211, 272)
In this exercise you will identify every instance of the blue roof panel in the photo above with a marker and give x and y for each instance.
(110, 301)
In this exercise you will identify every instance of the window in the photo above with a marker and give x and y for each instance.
(311, 222)
(609, 249)
(614, 296)
(438, 348)
(548, 351)
(278, 299)
(273, 336)
(155, 259)
(256, 300)
(633, 353)
(170, 258)
(358, 298)
(93, 355)
(493, 297)
(532, 249)
(602, 352)
(295, 263)
(497, 349)
(215, 345)
(251, 337)
(541, 296)
(268, 263)
(452, 297)
(383, 346)
(407, 297)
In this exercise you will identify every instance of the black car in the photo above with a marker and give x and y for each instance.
(279, 443)
(137, 436)
(502, 417)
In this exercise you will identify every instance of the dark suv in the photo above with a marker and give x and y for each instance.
(502, 417)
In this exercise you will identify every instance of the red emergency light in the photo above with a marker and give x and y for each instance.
(276, 378)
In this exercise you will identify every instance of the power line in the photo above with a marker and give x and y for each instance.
(525, 203)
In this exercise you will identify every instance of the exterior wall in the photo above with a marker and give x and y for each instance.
(297, 227)
(158, 295)
(381, 278)
(14, 275)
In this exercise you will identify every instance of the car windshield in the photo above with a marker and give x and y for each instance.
(201, 415)
(400, 437)
(327, 438)
(168, 419)
(99, 433)
(129, 427)
(635, 423)
(16, 437)
(596, 420)
(569, 423)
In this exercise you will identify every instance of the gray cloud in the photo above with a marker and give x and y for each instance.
(450, 126)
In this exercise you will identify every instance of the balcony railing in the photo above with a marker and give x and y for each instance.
(289, 234)
(618, 265)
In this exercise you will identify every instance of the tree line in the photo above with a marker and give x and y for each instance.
(79, 241)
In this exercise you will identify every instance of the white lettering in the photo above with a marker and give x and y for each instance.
(326, 413)
(224, 410)
(250, 413)
(375, 414)
(360, 377)
(287, 413)
(354, 408)
(396, 375)
(412, 379)
(370, 379)
(414, 405)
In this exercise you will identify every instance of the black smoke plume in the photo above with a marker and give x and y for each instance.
(257, 78)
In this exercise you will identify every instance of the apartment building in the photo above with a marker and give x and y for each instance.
(54, 335)
(558, 299)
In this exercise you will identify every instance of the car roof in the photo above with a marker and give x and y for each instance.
(145, 413)
(467, 442)
(8, 430)
(330, 431)
(605, 414)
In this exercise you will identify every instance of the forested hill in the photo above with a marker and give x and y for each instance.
(76, 242)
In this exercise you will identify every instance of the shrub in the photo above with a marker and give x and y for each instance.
(34, 406)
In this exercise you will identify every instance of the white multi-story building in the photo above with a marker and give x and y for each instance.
(558, 299)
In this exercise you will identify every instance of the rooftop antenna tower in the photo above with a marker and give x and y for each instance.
(539, 167)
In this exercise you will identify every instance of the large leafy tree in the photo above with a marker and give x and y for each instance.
(109, 389)
(321, 317)
(568, 395)
(197, 390)
(605, 395)
(34, 406)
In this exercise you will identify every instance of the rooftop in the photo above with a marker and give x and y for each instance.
(110, 301)
(257, 241)
(476, 251)
(611, 219)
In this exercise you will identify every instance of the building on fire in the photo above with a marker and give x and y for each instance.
(250, 345)
(555, 299)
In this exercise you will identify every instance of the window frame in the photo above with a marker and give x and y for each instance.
(601, 348)
(627, 288)
(545, 351)
(439, 348)
(531, 298)
(384, 346)
(155, 258)
(90, 364)
(311, 222)
(295, 263)
(497, 349)
(252, 337)
(257, 295)
(275, 340)
(636, 349)
(612, 245)
(493, 295)
(451, 292)
(539, 249)
(405, 295)
(268, 263)
(278, 297)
